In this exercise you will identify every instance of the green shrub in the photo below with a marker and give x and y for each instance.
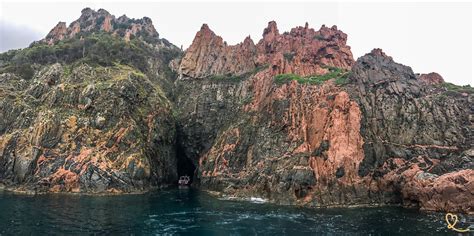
(457, 88)
(23, 70)
(341, 81)
(96, 48)
(340, 75)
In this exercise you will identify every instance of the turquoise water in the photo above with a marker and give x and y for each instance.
(190, 211)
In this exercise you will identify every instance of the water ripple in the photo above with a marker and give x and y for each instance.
(183, 212)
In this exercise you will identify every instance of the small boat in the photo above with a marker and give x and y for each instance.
(184, 180)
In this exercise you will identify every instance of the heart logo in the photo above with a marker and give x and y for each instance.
(452, 220)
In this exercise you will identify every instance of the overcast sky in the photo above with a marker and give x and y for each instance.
(426, 36)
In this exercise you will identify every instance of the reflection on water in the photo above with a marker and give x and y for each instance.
(193, 211)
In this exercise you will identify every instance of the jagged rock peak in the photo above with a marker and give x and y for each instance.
(379, 52)
(271, 29)
(95, 21)
(198, 62)
(88, 12)
(205, 27)
(302, 51)
(206, 32)
(377, 67)
(59, 31)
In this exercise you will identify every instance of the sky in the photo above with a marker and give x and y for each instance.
(428, 36)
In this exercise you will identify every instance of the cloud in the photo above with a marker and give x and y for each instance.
(14, 36)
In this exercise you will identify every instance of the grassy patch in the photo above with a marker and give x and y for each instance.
(340, 75)
(342, 80)
(457, 88)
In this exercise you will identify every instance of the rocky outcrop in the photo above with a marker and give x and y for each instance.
(412, 133)
(92, 21)
(302, 51)
(420, 187)
(402, 118)
(210, 55)
(431, 78)
(385, 137)
(57, 33)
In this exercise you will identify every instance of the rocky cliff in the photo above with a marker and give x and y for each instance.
(84, 111)
(105, 105)
(375, 133)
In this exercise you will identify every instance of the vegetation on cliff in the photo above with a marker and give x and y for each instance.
(457, 88)
(339, 75)
(95, 49)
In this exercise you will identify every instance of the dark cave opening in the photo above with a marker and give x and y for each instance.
(185, 165)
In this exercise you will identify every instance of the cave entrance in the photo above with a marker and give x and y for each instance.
(185, 165)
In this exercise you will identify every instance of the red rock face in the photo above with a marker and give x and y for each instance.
(431, 78)
(320, 147)
(210, 55)
(451, 192)
(57, 33)
(302, 51)
(325, 122)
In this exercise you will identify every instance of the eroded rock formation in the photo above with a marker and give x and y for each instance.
(302, 51)
(384, 137)
(102, 21)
